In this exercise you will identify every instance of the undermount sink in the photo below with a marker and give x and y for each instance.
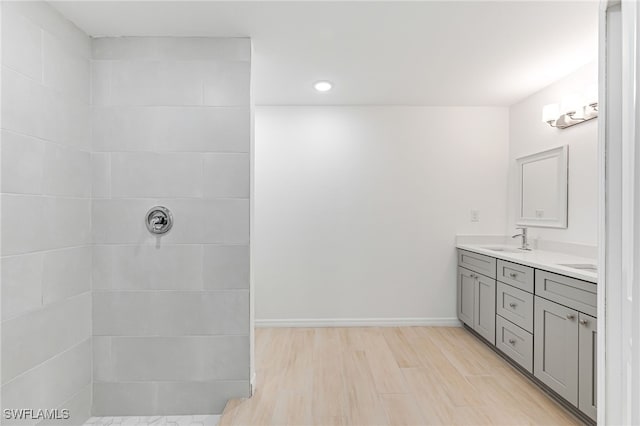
(504, 249)
(590, 267)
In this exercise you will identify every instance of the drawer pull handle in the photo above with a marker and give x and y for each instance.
(584, 322)
(513, 305)
(512, 341)
(513, 275)
(571, 317)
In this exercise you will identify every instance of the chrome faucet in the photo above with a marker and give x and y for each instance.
(525, 238)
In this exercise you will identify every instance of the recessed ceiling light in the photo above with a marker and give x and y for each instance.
(323, 86)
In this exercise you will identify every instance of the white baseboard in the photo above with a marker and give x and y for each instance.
(358, 322)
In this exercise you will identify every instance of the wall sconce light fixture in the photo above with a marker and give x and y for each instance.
(574, 109)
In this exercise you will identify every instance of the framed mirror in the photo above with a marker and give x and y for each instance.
(543, 189)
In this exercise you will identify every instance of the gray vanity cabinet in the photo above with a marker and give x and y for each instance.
(541, 320)
(477, 303)
(556, 348)
(587, 364)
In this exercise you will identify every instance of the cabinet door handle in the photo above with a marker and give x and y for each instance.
(513, 305)
(571, 317)
(512, 341)
(584, 322)
(513, 275)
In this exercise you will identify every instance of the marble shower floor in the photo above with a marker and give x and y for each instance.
(154, 421)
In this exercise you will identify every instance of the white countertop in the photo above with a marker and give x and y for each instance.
(540, 259)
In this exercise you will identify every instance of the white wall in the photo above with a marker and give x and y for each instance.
(357, 208)
(528, 134)
(46, 212)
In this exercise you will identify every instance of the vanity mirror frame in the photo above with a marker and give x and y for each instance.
(561, 221)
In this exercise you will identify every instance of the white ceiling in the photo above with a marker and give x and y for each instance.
(376, 53)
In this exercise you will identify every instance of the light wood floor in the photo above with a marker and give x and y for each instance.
(387, 376)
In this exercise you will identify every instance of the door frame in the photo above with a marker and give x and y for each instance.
(619, 214)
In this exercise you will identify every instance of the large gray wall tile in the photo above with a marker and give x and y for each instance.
(21, 98)
(227, 83)
(156, 83)
(125, 399)
(166, 398)
(120, 221)
(227, 221)
(226, 267)
(22, 163)
(32, 338)
(30, 281)
(79, 406)
(209, 221)
(148, 174)
(170, 313)
(51, 383)
(67, 172)
(101, 175)
(201, 396)
(196, 221)
(100, 83)
(181, 358)
(63, 69)
(21, 44)
(32, 109)
(171, 128)
(102, 365)
(67, 221)
(225, 175)
(23, 227)
(33, 223)
(21, 284)
(49, 20)
(147, 267)
(66, 273)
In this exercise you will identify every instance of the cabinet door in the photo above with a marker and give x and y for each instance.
(587, 363)
(485, 309)
(466, 296)
(556, 348)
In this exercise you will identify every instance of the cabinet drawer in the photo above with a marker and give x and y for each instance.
(577, 294)
(515, 342)
(516, 275)
(515, 305)
(480, 263)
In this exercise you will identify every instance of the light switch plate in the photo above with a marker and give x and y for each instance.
(475, 215)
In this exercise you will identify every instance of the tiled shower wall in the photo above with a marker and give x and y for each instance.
(46, 212)
(171, 127)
